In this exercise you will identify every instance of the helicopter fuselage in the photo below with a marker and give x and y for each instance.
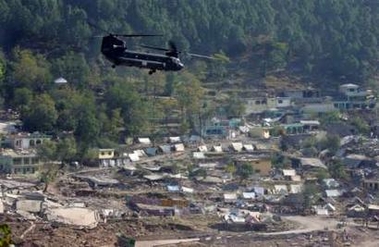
(117, 53)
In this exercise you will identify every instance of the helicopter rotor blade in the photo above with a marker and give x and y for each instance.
(92, 23)
(154, 48)
(136, 35)
(173, 51)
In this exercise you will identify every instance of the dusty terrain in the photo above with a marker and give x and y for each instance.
(310, 231)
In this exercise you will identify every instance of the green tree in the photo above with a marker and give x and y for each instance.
(116, 123)
(66, 149)
(87, 130)
(189, 94)
(337, 170)
(47, 151)
(22, 99)
(74, 68)
(69, 104)
(245, 171)
(361, 125)
(234, 106)
(322, 174)
(309, 192)
(331, 142)
(280, 161)
(134, 109)
(5, 235)
(231, 169)
(330, 117)
(42, 116)
(31, 70)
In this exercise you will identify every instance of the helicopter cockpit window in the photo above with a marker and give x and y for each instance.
(176, 60)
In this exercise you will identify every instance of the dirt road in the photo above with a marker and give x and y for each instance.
(307, 224)
(164, 242)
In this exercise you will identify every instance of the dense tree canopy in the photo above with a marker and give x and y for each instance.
(41, 40)
(336, 38)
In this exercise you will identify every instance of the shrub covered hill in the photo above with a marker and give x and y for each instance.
(41, 40)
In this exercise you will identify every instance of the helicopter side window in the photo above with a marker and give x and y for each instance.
(118, 45)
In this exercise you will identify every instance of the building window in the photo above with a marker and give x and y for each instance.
(109, 153)
(32, 143)
(35, 161)
(17, 161)
(39, 141)
(280, 101)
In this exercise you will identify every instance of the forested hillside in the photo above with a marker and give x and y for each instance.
(41, 40)
(335, 37)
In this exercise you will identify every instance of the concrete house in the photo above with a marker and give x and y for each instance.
(307, 95)
(352, 96)
(19, 162)
(106, 153)
(260, 104)
(24, 141)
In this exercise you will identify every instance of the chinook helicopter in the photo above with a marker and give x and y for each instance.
(115, 50)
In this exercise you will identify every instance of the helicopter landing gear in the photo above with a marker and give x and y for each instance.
(152, 71)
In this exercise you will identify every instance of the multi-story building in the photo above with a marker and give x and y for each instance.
(18, 162)
(260, 104)
(25, 141)
(353, 97)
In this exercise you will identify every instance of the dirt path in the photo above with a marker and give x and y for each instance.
(307, 224)
(28, 230)
(164, 242)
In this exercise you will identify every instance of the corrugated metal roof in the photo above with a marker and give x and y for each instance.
(198, 155)
(237, 146)
(312, 162)
(332, 193)
(289, 172)
(144, 140)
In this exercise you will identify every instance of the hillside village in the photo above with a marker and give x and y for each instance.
(295, 153)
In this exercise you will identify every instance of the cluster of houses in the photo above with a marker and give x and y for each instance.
(210, 187)
(348, 96)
